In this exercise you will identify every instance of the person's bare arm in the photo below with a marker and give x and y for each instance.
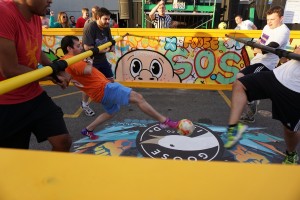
(88, 69)
(152, 12)
(9, 66)
(254, 27)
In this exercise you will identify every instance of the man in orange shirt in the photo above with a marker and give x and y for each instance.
(111, 95)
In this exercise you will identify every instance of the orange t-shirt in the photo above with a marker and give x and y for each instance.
(92, 84)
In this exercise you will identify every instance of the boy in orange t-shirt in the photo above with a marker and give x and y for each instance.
(100, 89)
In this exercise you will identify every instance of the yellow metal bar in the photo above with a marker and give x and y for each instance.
(23, 79)
(168, 32)
(35, 175)
(135, 84)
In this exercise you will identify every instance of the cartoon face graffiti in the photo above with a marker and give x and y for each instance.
(145, 65)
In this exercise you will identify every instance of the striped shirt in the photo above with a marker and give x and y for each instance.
(162, 22)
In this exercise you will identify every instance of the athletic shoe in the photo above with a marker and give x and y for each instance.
(87, 110)
(90, 134)
(251, 110)
(245, 118)
(234, 134)
(169, 124)
(291, 158)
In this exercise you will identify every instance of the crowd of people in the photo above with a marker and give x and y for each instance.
(37, 114)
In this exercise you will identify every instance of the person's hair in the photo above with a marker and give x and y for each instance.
(84, 10)
(240, 16)
(71, 16)
(103, 11)
(276, 9)
(94, 12)
(68, 41)
(59, 20)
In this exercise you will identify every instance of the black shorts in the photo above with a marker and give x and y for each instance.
(251, 69)
(285, 102)
(40, 116)
(105, 68)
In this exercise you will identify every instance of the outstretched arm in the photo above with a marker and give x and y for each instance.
(152, 12)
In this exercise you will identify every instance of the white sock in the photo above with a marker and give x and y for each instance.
(84, 104)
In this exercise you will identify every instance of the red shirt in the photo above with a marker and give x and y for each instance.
(80, 22)
(27, 36)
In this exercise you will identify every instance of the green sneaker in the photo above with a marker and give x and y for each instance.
(234, 134)
(291, 158)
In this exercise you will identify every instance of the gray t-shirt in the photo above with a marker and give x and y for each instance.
(94, 36)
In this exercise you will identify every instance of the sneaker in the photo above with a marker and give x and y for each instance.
(291, 158)
(90, 134)
(88, 111)
(245, 118)
(251, 110)
(234, 134)
(169, 124)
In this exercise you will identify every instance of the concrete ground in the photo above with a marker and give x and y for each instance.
(207, 109)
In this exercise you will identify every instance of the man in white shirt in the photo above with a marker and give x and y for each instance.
(276, 35)
(244, 25)
(282, 86)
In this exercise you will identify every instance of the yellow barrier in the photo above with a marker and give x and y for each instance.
(23, 79)
(33, 175)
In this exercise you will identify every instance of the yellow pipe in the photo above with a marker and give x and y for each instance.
(23, 79)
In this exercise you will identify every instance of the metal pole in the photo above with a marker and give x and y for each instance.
(278, 52)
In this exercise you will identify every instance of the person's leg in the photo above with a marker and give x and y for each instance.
(291, 139)
(238, 102)
(145, 107)
(85, 105)
(99, 120)
(60, 142)
(49, 124)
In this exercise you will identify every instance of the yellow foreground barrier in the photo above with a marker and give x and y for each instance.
(32, 175)
(23, 79)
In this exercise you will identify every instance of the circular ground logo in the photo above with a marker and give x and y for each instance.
(203, 144)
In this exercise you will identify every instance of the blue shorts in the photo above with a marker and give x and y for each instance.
(105, 68)
(115, 96)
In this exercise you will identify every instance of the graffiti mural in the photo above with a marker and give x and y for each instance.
(144, 138)
(199, 60)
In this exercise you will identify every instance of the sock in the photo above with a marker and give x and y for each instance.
(231, 125)
(84, 104)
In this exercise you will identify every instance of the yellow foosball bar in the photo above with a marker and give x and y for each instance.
(33, 175)
(23, 79)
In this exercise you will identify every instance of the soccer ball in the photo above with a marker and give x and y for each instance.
(185, 127)
(222, 25)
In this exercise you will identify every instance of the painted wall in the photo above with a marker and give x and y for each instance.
(176, 56)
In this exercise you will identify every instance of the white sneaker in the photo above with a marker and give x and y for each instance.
(88, 111)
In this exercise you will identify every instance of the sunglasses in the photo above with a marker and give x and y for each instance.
(64, 16)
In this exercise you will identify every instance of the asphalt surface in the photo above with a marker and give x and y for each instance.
(197, 105)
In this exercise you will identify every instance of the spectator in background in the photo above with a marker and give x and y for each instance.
(244, 25)
(97, 33)
(45, 21)
(81, 20)
(160, 19)
(62, 20)
(113, 23)
(94, 15)
(72, 22)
